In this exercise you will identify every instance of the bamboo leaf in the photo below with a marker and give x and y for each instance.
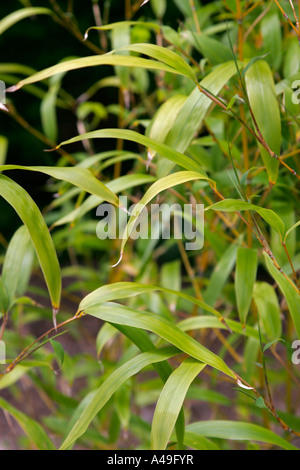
(207, 321)
(32, 429)
(190, 118)
(220, 275)
(77, 176)
(120, 315)
(124, 290)
(108, 388)
(170, 402)
(12, 266)
(289, 292)
(20, 15)
(245, 276)
(233, 205)
(268, 308)
(112, 58)
(264, 105)
(238, 431)
(29, 213)
(124, 134)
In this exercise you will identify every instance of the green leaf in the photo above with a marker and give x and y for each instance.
(268, 308)
(59, 351)
(245, 276)
(190, 118)
(170, 402)
(166, 56)
(28, 211)
(118, 24)
(108, 388)
(80, 177)
(4, 301)
(233, 205)
(268, 345)
(194, 441)
(264, 105)
(212, 49)
(32, 429)
(238, 431)
(289, 292)
(207, 321)
(170, 62)
(124, 134)
(124, 290)
(19, 15)
(3, 149)
(171, 279)
(271, 33)
(120, 315)
(220, 275)
(260, 403)
(291, 230)
(106, 333)
(12, 266)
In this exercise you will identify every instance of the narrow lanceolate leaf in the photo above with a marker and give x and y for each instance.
(29, 213)
(233, 205)
(291, 230)
(166, 57)
(32, 429)
(170, 402)
(80, 177)
(124, 134)
(245, 276)
(207, 321)
(124, 290)
(189, 119)
(268, 308)
(112, 26)
(20, 15)
(116, 186)
(265, 108)
(220, 275)
(111, 384)
(238, 431)
(120, 315)
(12, 266)
(289, 292)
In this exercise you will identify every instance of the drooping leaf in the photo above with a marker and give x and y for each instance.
(233, 205)
(268, 308)
(120, 315)
(112, 383)
(239, 431)
(289, 292)
(265, 108)
(170, 402)
(29, 213)
(32, 429)
(20, 15)
(12, 266)
(245, 276)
